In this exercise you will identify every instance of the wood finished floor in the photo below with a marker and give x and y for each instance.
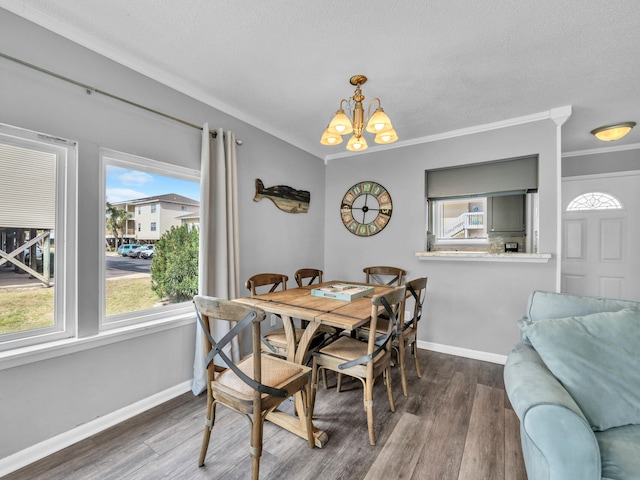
(457, 423)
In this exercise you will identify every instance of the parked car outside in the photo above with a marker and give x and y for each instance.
(27, 254)
(126, 249)
(136, 252)
(147, 253)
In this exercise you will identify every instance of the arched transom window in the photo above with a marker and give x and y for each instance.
(594, 201)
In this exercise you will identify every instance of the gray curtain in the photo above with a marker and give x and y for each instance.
(218, 258)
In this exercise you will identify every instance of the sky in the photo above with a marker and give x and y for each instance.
(126, 184)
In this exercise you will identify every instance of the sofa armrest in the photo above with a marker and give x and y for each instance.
(557, 441)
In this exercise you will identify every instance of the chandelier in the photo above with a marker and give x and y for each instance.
(378, 123)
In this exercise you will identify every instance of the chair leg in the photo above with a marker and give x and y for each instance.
(338, 382)
(324, 378)
(392, 404)
(209, 421)
(256, 443)
(414, 349)
(368, 405)
(314, 384)
(403, 373)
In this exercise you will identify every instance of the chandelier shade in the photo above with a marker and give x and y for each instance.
(388, 136)
(329, 138)
(357, 144)
(378, 123)
(340, 123)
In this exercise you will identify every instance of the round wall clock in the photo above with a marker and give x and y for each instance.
(366, 208)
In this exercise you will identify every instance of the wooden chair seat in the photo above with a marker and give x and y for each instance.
(275, 372)
(278, 338)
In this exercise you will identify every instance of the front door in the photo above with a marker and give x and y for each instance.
(599, 245)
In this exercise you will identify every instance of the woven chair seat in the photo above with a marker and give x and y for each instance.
(279, 339)
(347, 348)
(275, 373)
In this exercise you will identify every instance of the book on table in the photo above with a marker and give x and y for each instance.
(342, 291)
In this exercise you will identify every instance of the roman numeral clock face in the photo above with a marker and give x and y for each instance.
(366, 208)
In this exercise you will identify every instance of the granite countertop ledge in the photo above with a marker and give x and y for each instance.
(451, 255)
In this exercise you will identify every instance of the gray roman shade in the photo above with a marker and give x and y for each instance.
(518, 175)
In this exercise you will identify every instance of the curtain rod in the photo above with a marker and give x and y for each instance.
(89, 89)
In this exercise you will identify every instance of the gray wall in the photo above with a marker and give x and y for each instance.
(470, 305)
(42, 399)
(603, 162)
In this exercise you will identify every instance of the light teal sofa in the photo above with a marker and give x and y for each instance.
(582, 421)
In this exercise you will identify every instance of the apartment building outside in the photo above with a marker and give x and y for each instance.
(150, 217)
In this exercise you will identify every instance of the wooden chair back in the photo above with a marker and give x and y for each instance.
(308, 273)
(390, 307)
(416, 294)
(383, 275)
(270, 281)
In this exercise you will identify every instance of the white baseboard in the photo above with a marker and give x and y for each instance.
(36, 452)
(463, 352)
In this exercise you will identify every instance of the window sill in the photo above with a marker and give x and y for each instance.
(484, 257)
(45, 351)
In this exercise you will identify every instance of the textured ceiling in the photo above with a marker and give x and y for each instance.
(438, 65)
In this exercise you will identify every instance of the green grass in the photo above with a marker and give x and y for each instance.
(129, 295)
(28, 309)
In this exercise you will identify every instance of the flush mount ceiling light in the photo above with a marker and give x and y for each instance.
(609, 133)
(378, 123)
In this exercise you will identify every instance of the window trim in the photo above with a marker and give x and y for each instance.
(109, 157)
(65, 293)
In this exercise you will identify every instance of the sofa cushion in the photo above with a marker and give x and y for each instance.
(596, 358)
(620, 452)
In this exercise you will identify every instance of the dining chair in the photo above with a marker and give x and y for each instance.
(274, 342)
(365, 360)
(311, 275)
(382, 275)
(254, 386)
(406, 332)
(308, 273)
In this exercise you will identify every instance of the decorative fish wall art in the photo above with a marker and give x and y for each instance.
(285, 198)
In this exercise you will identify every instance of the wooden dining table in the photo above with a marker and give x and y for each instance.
(314, 311)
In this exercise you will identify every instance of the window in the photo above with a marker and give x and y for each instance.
(139, 210)
(153, 208)
(483, 203)
(461, 219)
(594, 201)
(37, 230)
(129, 299)
(183, 208)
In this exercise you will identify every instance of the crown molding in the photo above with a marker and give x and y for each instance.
(596, 151)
